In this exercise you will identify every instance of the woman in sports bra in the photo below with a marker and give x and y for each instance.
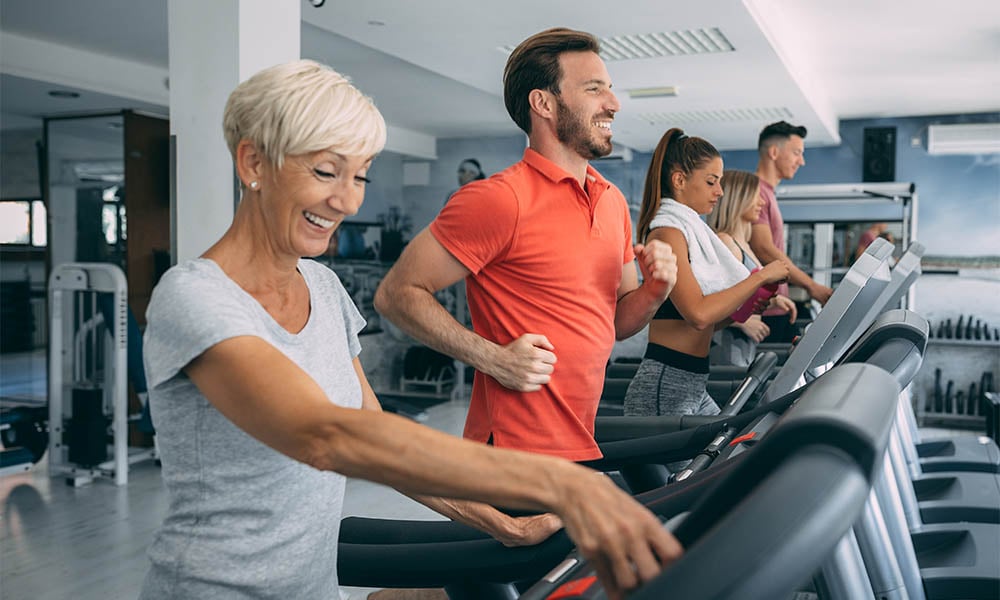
(731, 219)
(683, 184)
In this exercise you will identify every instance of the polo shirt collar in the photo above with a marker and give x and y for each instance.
(555, 173)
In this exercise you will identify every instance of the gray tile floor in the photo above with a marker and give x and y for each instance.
(89, 543)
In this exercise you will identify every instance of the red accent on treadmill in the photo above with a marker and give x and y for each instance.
(573, 588)
(743, 438)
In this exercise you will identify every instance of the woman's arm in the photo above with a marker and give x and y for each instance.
(754, 328)
(369, 401)
(267, 395)
(510, 531)
(700, 311)
(785, 304)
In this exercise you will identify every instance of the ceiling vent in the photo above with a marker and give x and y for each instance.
(659, 45)
(767, 115)
(980, 138)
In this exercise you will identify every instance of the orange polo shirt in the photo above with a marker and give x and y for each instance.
(546, 257)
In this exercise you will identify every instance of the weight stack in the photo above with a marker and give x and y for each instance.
(88, 428)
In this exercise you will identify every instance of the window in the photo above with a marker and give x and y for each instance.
(113, 217)
(22, 223)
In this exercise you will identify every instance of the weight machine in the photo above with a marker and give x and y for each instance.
(88, 393)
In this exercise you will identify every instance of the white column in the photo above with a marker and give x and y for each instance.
(213, 46)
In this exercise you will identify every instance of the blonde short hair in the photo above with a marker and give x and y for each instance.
(302, 107)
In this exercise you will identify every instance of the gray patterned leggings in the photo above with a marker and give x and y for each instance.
(662, 388)
(669, 383)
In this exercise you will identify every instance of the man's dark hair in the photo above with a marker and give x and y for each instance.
(534, 65)
(474, 163)
(782, 130)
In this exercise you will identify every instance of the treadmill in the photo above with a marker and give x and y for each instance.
(950, 561)
(845, 575)
(939, 497)
(777, 515)
(843, 320)
(888, 344)
(904, 556)
(938, 454)
(472, 565)
(844, 417)
(947, 494)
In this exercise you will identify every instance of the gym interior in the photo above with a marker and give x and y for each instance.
(859, 460)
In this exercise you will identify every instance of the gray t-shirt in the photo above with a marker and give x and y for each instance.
(244, 520)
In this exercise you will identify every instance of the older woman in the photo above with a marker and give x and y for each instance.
(257, 391)
(732, 218)
(683, 183)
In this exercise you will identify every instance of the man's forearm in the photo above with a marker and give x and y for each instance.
(799, 277)
(419, 314)
(633, 312)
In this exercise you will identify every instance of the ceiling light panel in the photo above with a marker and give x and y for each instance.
(716, 116)
(658, 45)
(667, 91)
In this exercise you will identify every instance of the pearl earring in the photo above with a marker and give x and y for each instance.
(254, 185)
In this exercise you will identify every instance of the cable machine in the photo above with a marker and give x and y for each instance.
(88, 345)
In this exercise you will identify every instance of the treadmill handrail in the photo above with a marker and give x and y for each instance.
(760, 369)
(766, 553)
(437, 561)
(681, 445)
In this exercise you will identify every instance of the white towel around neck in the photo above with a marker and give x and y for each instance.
(712, 262)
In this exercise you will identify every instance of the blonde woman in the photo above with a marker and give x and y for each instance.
(732, 219)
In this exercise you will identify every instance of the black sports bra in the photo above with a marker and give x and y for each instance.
(669, 312)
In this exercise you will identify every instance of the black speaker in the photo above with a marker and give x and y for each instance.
(879, 159)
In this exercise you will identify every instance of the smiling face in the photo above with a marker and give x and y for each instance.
(702, 189)
(309, 196)
(586, 106)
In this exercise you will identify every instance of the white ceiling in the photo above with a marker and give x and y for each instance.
(436, 67)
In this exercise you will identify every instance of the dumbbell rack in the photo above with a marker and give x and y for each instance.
(87, 354)
(960, 365)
